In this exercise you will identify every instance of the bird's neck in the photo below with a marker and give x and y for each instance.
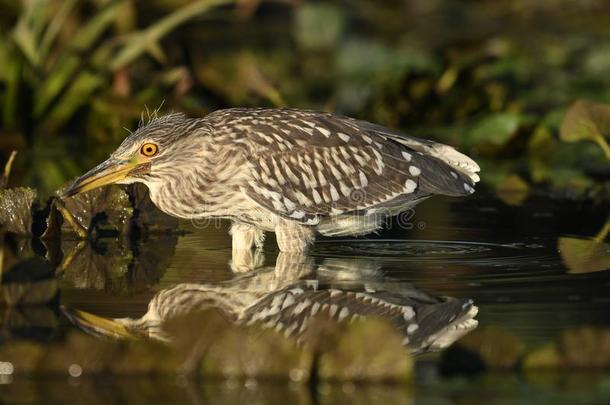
(196, 190)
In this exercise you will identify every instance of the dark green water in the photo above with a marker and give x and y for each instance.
(534, 270)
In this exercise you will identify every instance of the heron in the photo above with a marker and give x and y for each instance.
(298, 173)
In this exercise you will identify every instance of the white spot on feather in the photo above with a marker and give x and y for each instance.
(363, 180)
(345, 190)
(414, 171)
(344, 137)
(316, 196)
(303, 199)
(468, 188)
(289, 204)
(333, 193)
(322, 179)
(408, 313)
(313, 221)
(335, 172)
(407, 156)
(360, 159)
(301, 306)
(324, 131)
(298, 214)
(333, 310)
(288, 301)
(265, 167)
(410, 186)
(278, 206)
(344, 313)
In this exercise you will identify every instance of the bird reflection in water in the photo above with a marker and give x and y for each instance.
(294, 294)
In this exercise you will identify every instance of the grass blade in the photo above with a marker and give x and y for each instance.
(138, 43)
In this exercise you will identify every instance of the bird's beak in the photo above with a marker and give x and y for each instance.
(98, 325)
(111, 171)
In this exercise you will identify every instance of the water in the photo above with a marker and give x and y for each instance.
(534, 271)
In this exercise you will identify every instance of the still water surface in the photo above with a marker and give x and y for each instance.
(533, 270)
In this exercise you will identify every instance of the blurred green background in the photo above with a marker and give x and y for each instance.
(493, 78)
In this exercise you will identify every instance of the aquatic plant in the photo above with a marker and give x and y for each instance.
(57, 55)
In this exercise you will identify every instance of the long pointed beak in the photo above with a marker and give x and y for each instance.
(109, 172)
(97, 325)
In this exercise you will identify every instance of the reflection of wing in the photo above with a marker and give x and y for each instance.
(429, 324)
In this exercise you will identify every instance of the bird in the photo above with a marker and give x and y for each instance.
(298, 173)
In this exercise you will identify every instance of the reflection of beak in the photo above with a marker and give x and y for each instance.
(97, 325)
(109, 172)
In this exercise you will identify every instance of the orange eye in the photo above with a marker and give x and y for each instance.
(149, 149)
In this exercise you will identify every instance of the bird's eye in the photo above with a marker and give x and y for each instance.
(149, 149)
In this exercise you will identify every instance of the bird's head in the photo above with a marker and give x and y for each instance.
(147, 155)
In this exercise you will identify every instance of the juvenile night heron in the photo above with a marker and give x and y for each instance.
(288, 171)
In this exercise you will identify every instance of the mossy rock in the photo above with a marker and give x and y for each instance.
(494, 346)
(583, 348)
(367, 349)
(210, 344)
(545, 357)
(249, 352)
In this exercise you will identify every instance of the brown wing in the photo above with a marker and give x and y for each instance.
(306, 165)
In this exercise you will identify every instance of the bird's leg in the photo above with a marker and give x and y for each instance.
(246, 260)
(245, 236)
(290, 266)
(293, 237)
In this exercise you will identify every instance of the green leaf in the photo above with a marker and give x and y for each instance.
(77, 95)
(31, 23)
(54, 27)
(144, 41)
(13, 67)
(587, 120)
(497, 129)
(65, 69)
(382, 69)
(586, 255)
(318, 25)
(16, 205)
(87, 208)
(513, 190)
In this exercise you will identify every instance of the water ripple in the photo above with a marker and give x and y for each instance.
(521, 255)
